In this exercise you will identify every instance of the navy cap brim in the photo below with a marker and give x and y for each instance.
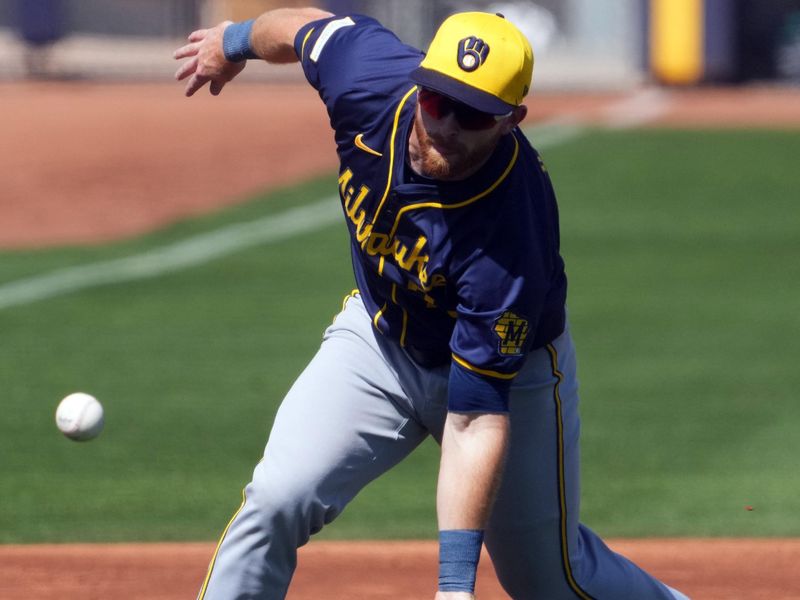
(455, 89)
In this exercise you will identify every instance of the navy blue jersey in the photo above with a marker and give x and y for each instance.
(467, 271)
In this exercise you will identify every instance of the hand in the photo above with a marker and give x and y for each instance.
(206, 61)
(454, 596)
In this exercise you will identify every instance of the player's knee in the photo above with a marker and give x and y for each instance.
(290, 502)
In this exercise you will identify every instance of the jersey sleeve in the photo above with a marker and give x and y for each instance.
(355, 64)
(504, 288)
(498, 309)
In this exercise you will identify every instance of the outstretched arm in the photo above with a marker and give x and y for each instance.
(271, 39)
(473, 455)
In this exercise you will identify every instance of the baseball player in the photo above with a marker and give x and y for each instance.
(457, 328)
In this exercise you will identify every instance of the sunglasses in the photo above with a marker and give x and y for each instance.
(439, 107)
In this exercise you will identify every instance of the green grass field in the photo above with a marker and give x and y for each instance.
(683, 251)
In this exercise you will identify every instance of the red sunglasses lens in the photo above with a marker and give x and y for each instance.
(439, 106)
(432, 103)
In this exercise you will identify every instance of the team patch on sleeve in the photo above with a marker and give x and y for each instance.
(512, 331)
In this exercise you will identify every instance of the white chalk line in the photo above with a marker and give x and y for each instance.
(203, 248)
(637, 109)
(190, 252)
(555, 132)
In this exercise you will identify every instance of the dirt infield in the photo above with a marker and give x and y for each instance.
(704, 569)
(86, 163)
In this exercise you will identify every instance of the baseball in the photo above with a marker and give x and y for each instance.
(79, 416)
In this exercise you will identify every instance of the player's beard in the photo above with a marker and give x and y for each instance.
(452, 161)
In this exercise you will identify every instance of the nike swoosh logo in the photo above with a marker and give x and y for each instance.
(359, 142)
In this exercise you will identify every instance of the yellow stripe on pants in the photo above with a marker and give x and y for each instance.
(562, 491)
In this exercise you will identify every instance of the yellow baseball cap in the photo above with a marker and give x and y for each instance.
(480, 59)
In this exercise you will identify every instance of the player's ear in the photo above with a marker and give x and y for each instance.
(517, 116)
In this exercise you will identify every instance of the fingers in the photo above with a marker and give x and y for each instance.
(206, 62)
(216, 87)
(195, 83)
(198, 81)
(198, 36)
(186, 69)
(186, 51)
(192, 48)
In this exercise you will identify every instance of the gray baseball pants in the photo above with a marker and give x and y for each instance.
(358, 409)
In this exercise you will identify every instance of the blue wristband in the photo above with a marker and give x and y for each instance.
(459, 552)
(236, 41)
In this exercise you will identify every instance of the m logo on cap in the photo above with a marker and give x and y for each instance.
(472, 53)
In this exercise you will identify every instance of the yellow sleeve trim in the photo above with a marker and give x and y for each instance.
(486, 372)
(303, 47)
